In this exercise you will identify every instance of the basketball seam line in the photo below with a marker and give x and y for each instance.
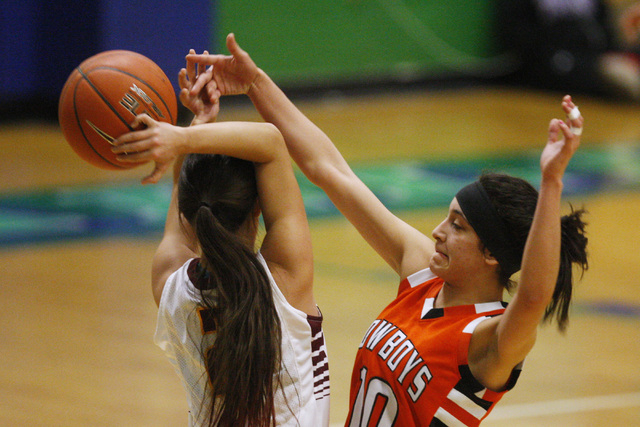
(86, 78)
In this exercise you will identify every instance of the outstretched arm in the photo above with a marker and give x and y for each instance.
(400, 245)
(510, 337)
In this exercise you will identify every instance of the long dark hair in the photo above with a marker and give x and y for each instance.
(515, 202)
(217, 195)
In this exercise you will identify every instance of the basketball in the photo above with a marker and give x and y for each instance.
(103, 95)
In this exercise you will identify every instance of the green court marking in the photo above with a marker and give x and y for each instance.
(132, 209)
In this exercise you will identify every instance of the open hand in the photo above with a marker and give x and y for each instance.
(233, 73)
(564, 139)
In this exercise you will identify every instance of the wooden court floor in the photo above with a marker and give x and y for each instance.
(78, 318)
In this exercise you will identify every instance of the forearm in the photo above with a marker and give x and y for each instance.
(322, 163)
(256, 142)
(516, 331)
(312, 150)
(541, 259)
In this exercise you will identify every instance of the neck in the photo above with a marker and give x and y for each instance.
(452, 295)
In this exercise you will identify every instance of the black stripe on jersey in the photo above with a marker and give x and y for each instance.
(434, 313)
(513, 379)
(469, 386)
(437, 423)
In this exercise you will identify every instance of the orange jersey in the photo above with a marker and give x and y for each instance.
(411, 368)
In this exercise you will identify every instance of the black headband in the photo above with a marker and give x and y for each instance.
(482, 216)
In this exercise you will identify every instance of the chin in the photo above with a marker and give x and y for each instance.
(435, 269)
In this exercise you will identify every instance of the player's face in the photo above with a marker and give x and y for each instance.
(459, 252)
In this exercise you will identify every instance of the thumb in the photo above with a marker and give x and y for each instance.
(554, 130)
(232, 45)
(142, 121)
(156, 174)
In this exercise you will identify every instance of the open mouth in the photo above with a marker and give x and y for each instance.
(439, 252)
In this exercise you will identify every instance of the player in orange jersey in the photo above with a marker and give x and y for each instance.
(447, 348)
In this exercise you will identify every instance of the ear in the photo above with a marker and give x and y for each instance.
(489, 258)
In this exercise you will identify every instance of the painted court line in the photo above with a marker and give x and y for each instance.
(129, 209)
(561, 406)
(566, 406)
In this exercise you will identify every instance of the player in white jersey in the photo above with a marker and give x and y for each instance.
(240, 325)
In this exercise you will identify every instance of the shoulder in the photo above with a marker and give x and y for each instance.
(294, 285)
(168, 258)
(178, 283)
(422, 279)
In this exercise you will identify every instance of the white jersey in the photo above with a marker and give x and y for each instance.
(304, 397)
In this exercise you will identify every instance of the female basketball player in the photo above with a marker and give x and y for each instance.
(240, 327)
(446, 349)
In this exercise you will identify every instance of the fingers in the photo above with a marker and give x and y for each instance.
(184, 97)
(574, 117)
(212, 92)
(202, 68)
(197, 86)
(191, 68)
(204, 78)
(566, 130)
(156, 174)
(183, 82)
(143, 121)
(201, 72)
(137, 152)
(204, 59)
(554, 130)
(562, 135)
(128, 142)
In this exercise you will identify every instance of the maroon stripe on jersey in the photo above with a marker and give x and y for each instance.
(319, 358)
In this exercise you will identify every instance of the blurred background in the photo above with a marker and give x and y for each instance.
(420, 96)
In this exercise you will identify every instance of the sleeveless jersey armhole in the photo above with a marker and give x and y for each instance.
(463, 356)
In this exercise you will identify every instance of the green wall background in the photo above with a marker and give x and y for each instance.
(320, 42)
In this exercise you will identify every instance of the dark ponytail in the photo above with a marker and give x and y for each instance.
(217, 195)
(573, 251)
(515, 200)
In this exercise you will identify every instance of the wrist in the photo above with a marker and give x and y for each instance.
(256, 84)
(184, 140)
(554, 184)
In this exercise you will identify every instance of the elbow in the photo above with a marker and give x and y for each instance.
(274, 134)
(329, 178)
(537, 284)
(317, 174)
(535, 300)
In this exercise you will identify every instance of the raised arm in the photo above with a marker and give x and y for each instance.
(404, 248)
(505, 341)
(287, 243)
(178, 244)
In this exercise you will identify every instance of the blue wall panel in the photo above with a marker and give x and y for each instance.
(17, 49)
(44, 40)
(164, 30)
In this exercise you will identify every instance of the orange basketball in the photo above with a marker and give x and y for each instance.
(103, 95)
